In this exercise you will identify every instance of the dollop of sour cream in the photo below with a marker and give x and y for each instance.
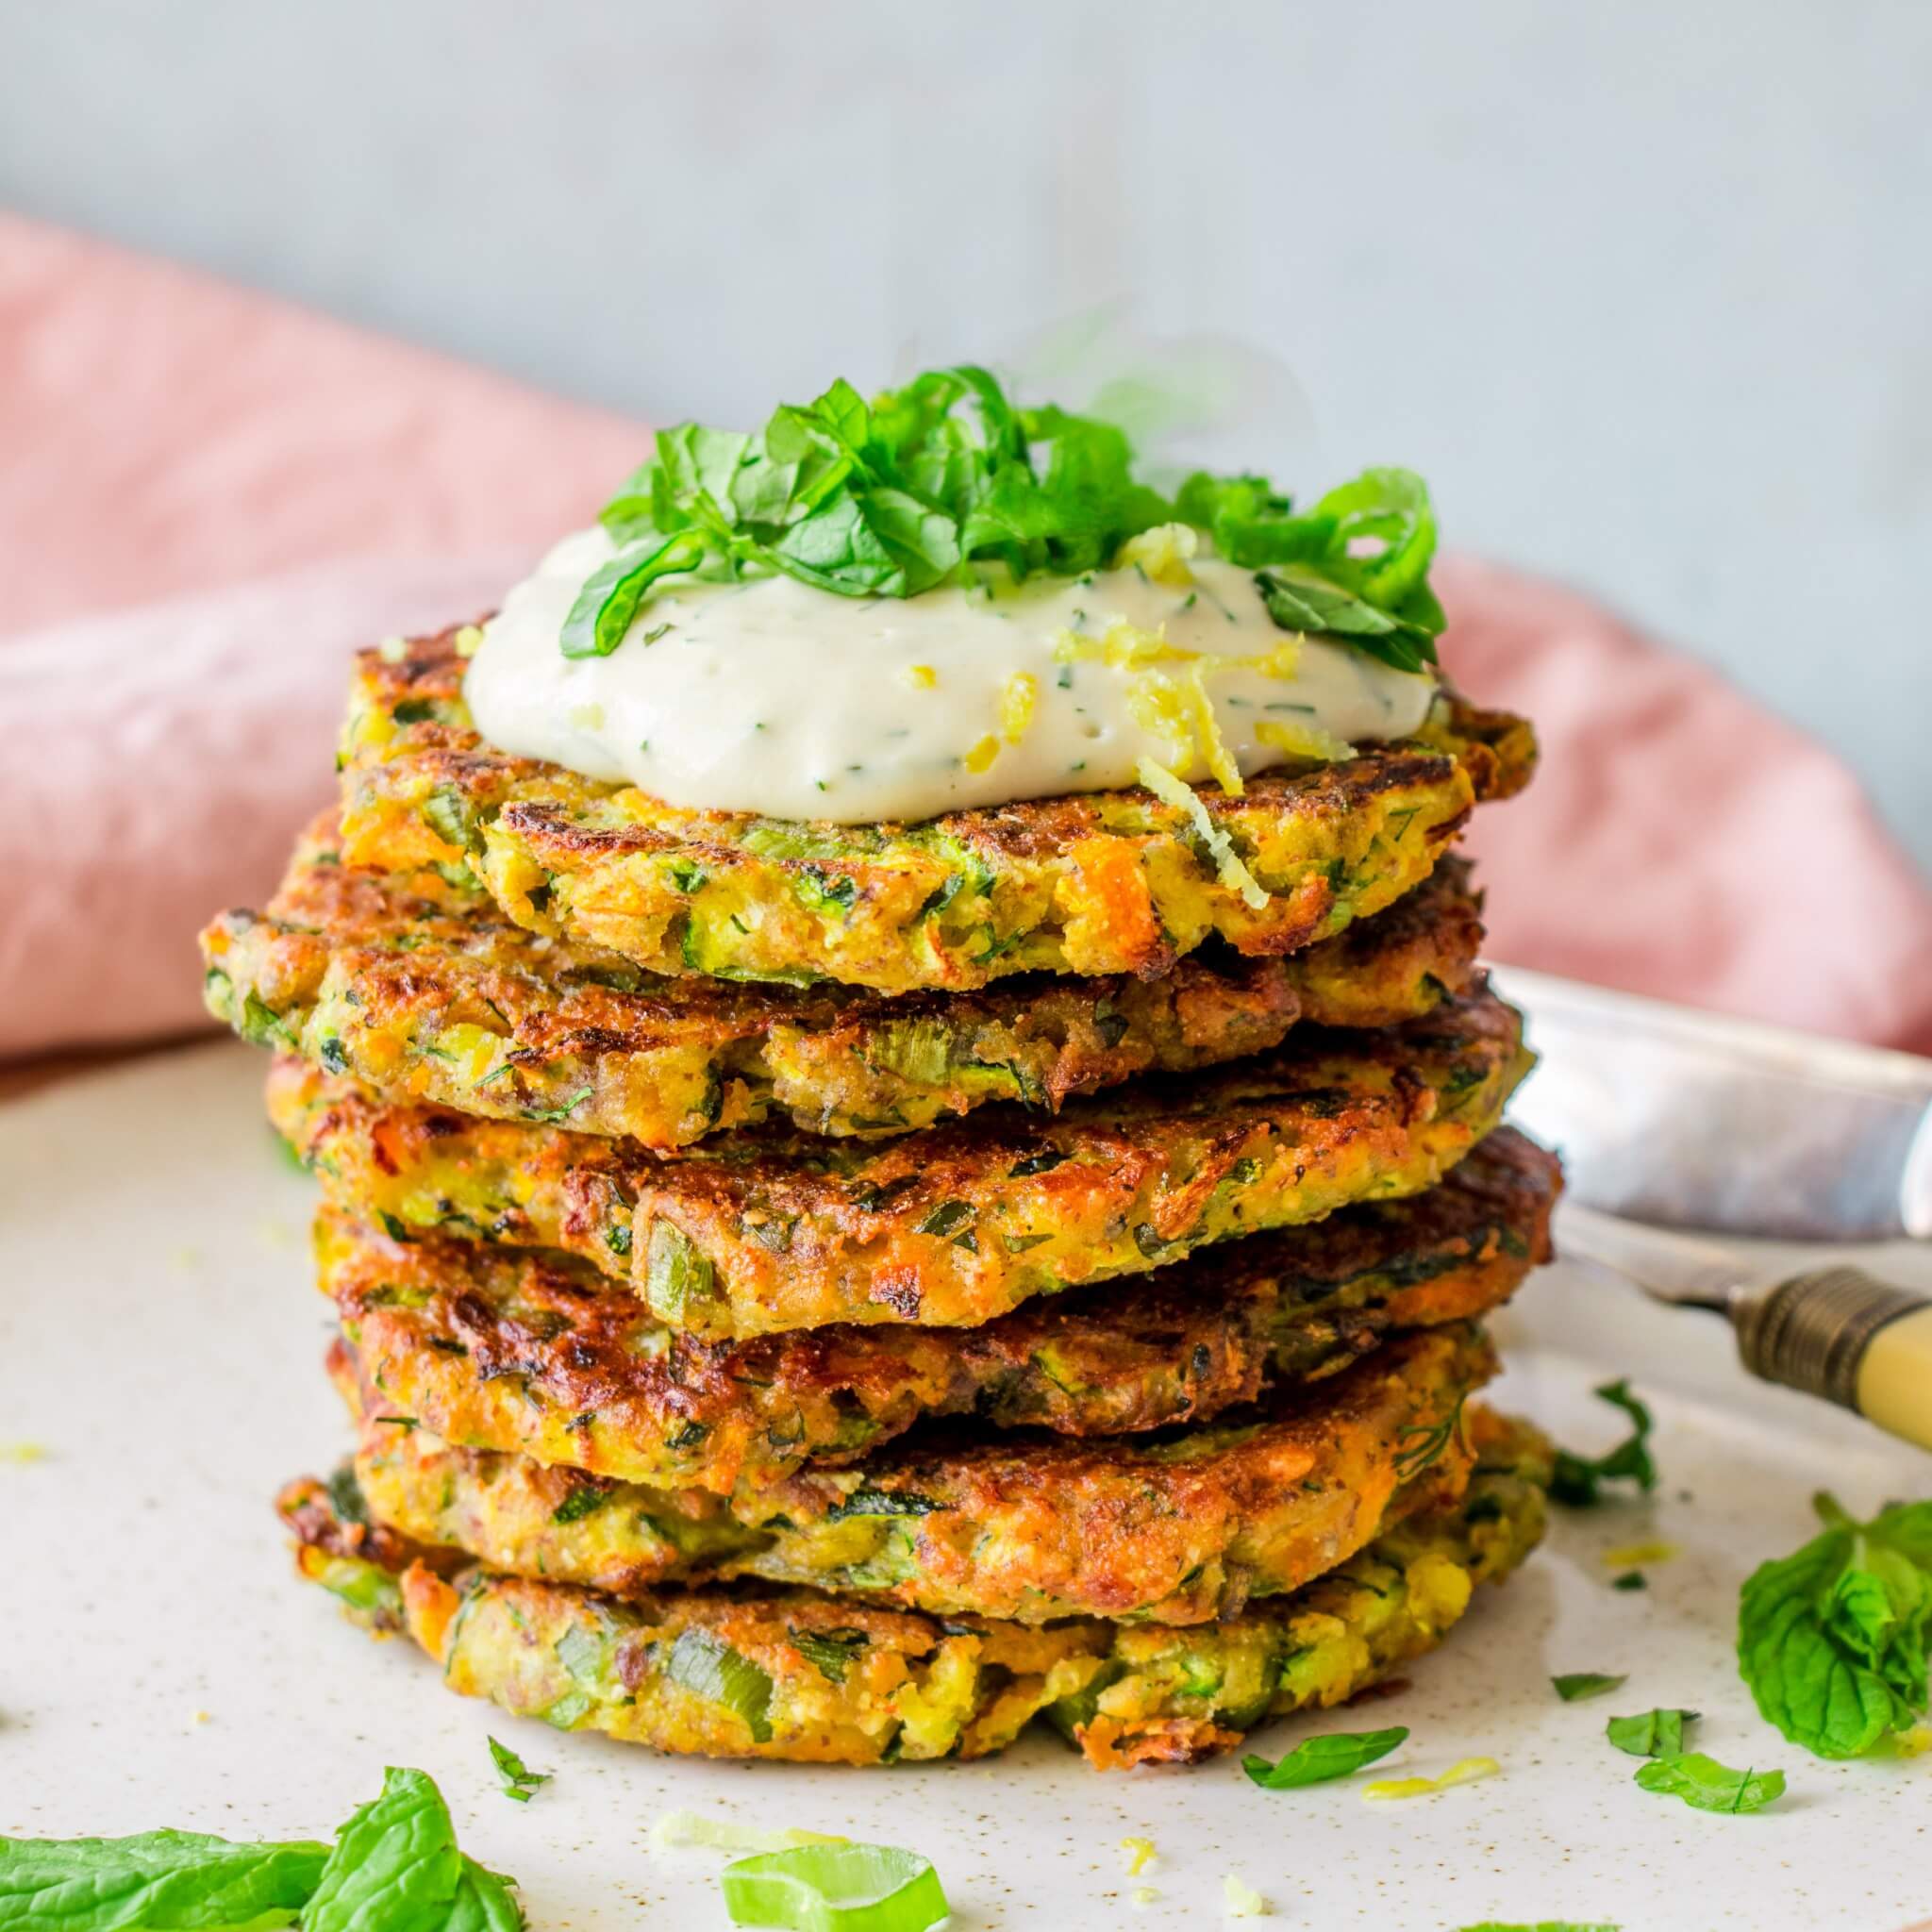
(770, 698)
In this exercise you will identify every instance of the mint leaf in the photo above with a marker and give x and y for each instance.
(396, 1867)
(1578, 1480)
(519, 1781)
(161, 1881)
(1649, 1733)
(1710, 1785)
(1315, 1761)
(1832, 1639)
(1581, 1684)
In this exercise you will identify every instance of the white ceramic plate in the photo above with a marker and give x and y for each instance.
(159, 1664)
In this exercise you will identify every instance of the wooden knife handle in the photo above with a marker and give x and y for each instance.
(1842, 1334)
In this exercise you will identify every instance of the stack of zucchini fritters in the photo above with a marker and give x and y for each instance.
(839, 1293)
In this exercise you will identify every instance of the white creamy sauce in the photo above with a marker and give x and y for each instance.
(770, 698)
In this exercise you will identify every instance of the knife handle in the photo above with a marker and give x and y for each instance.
(1849, 1337)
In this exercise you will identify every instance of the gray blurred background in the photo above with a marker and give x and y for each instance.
(1644, 289)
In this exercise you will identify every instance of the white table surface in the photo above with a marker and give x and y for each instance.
(158, 1663)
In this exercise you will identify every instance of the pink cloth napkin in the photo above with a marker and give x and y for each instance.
(208, 499)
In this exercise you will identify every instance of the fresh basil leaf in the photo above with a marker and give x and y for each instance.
(1315, 1761)
(396, 1867)
(1649, 1733)
(1832, 1639)
(1391, 509)
(519, 1781)
(159, 1881)
(608, 604)
(1582, 1683)
(891, 497)
(1297, 599)
(1710, 1785)
(1578, 1480)
(708, 1667)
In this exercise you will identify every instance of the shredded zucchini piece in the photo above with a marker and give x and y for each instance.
(1243, 1901)
(680, 1831)
(1228, 862)
(1303, 740)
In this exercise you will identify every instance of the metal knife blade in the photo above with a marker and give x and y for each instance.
(1689, 1119)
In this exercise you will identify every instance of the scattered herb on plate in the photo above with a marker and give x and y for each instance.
(1582, 1683)
(1315, 1761)
(1650, 1733)
(395, 1867)
(1831, 1639)
(1710, 1785)
(1578, 1480)
(519, 1781)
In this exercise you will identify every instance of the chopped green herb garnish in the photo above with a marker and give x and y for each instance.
(1577, 1480)
(916, 488)
(1650, 1733)
(832, 1652)
(1710, 1785)
(1582, 1683)
(1631, 1580)
(551, 1115)
(1315, 1761)
(519, 1781)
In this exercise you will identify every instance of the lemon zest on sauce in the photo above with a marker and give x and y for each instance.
(1140, 1853)
(1228, 862)
(1018, 696)
(982, 754)
(1162, 554)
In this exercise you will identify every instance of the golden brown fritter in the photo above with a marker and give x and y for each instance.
(1096, 883)
(950, 1226)
(427, 993)
(534, 1353)
(800, 1677)
(1178, 1527)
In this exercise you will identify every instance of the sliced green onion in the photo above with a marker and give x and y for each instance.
(835, 1889)
(709, 1667)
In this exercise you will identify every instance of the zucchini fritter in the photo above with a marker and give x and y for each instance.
(790, 1675)
(1100, 882)
(534, 1353)
(949, 1227)
(426, 993)
(1176, 1528)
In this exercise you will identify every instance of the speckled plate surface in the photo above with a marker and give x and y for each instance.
(159, 1664)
